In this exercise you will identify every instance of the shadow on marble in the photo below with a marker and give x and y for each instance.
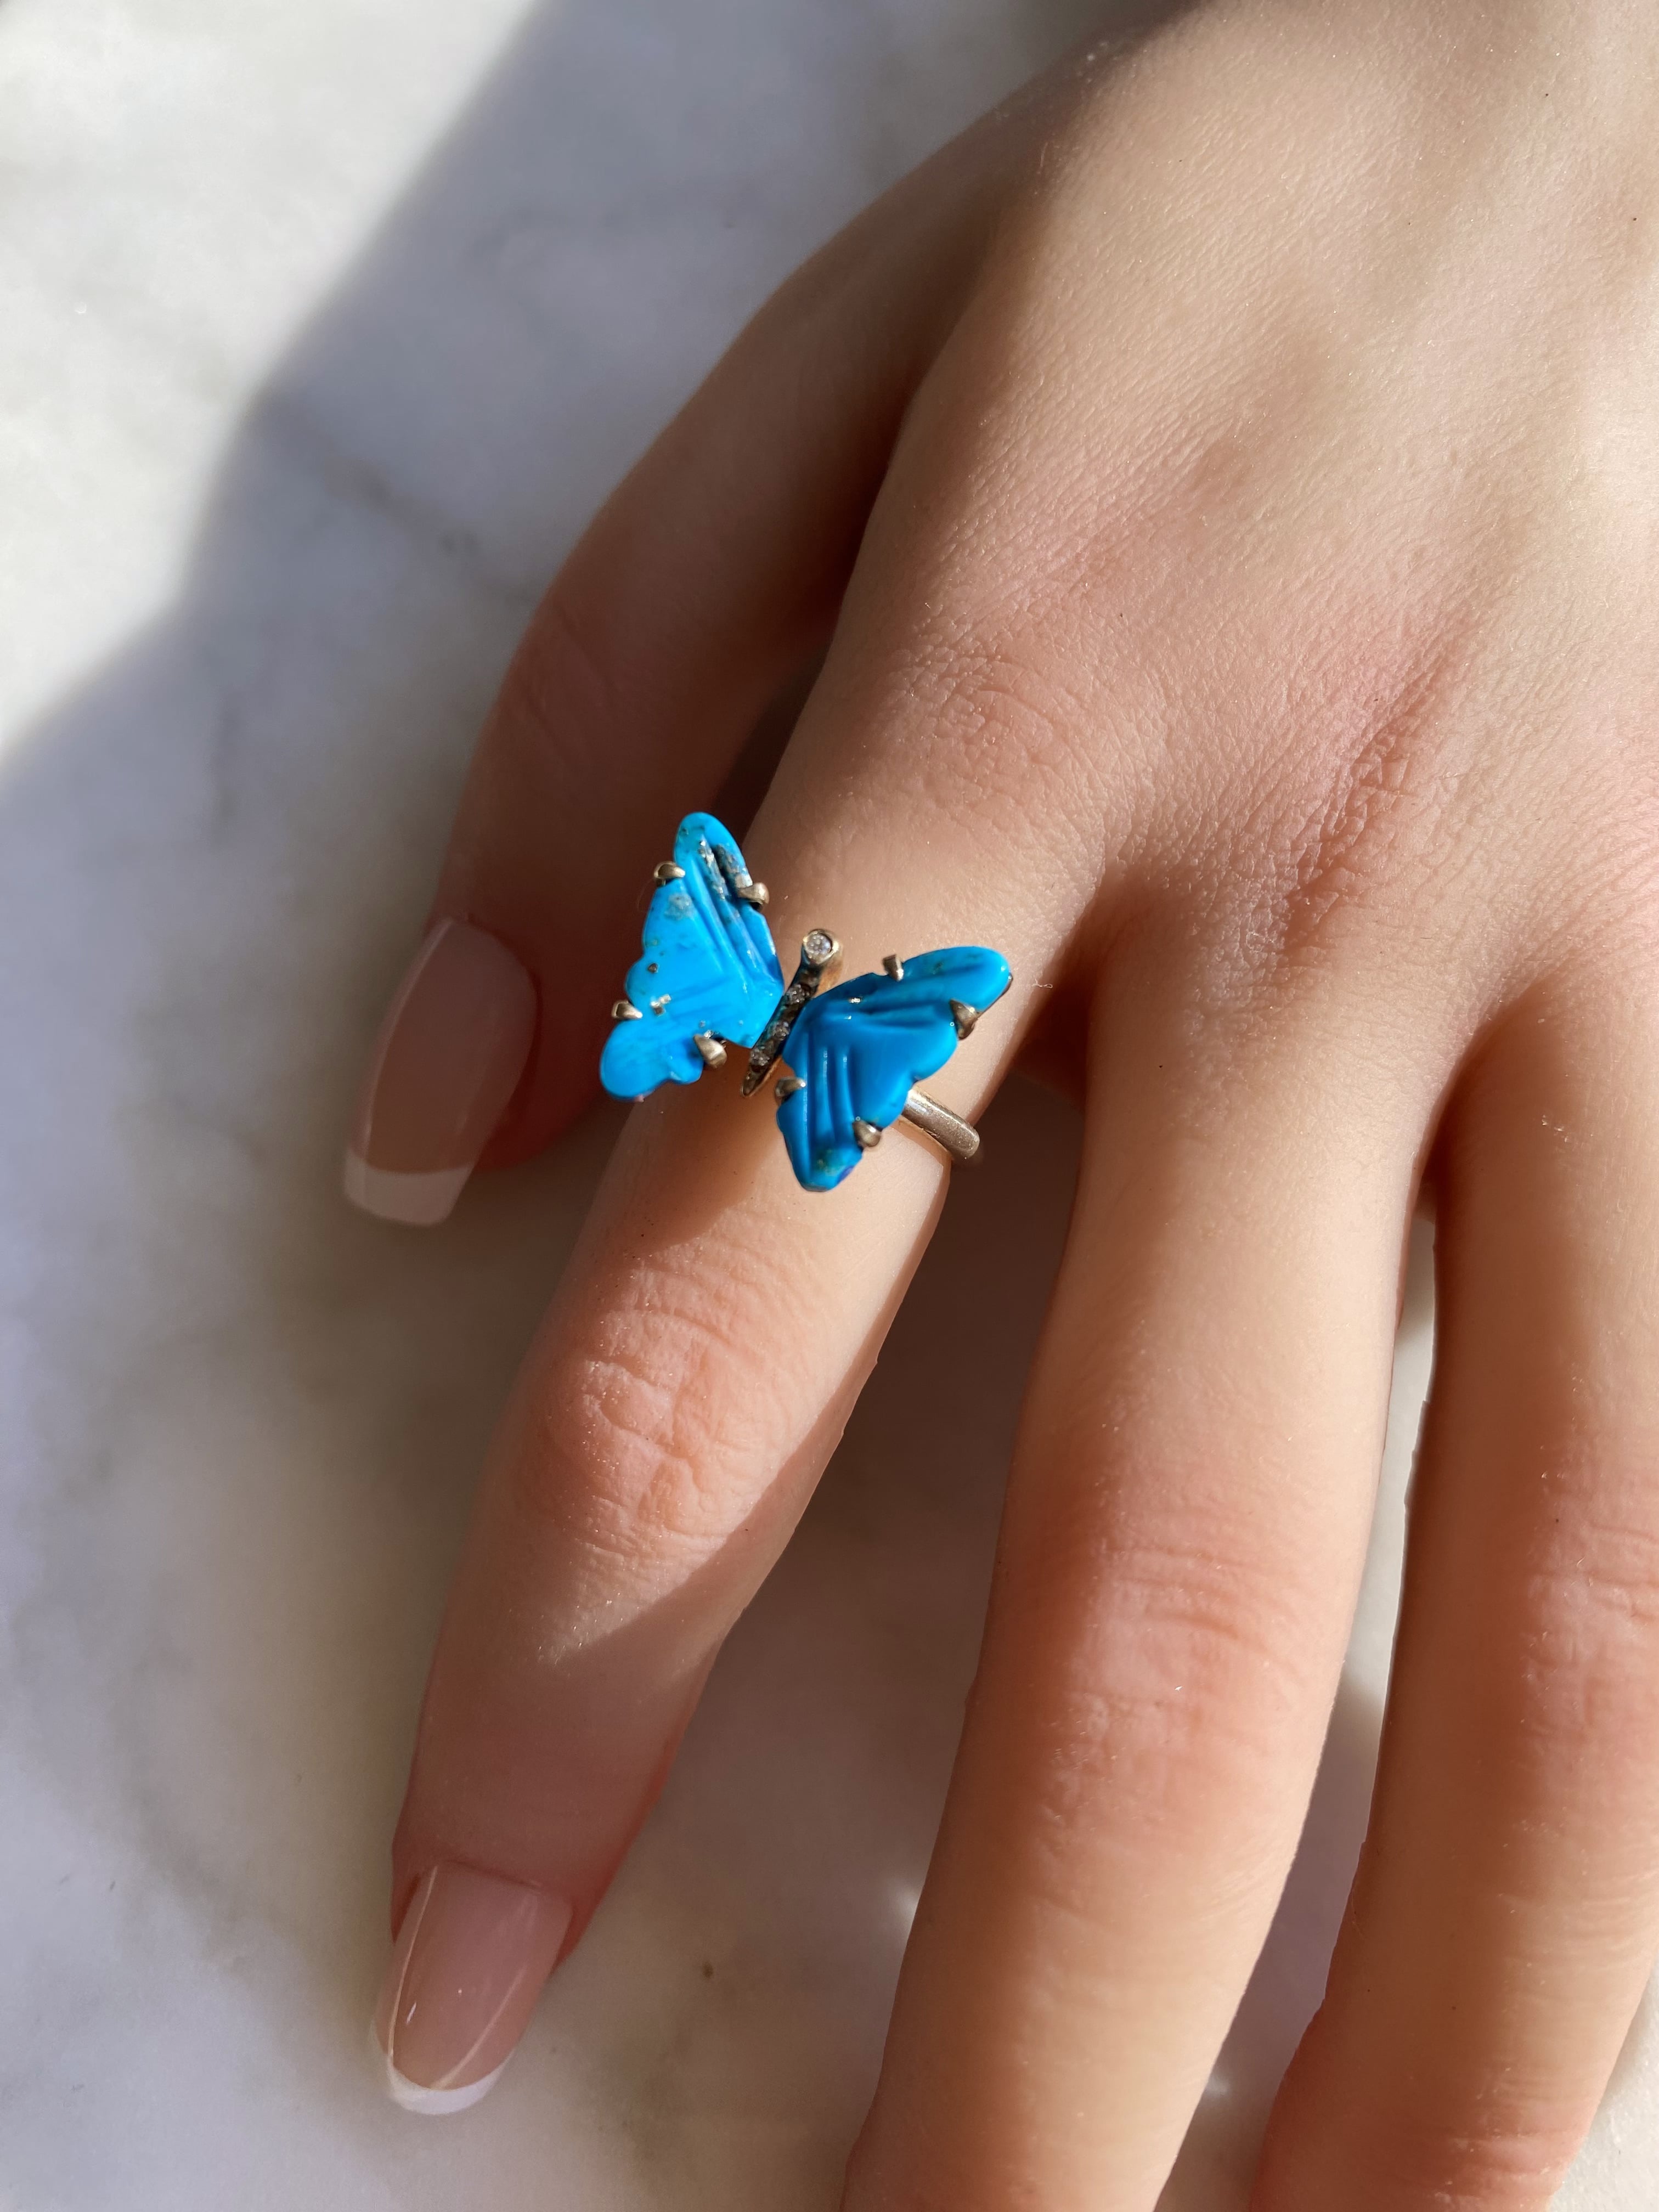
(246, 1421)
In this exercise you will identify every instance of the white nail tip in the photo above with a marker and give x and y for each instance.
(430, 2104)
(418, 1201)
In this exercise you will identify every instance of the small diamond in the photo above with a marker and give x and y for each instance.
(818, 948)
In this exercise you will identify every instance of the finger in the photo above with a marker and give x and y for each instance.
(701, 1359)
(1185, 1525)
(1506, 1910)
(710, 575)
(705, 1346)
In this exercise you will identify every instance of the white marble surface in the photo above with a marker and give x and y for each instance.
(322, 326)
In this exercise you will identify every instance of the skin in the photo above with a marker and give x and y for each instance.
(1231, 476)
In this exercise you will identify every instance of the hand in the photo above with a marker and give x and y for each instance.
(1232, 475)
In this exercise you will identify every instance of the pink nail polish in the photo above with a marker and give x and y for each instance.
(446, 1064)
(469, 1964)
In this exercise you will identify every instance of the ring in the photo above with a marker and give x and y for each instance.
(708, 979)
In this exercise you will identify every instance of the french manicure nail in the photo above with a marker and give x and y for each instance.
(446, 1064)
(467, 1968)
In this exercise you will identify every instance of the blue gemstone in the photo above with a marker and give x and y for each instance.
(858, 1049)
(707, 968)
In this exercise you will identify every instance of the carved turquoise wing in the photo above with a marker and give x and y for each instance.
(707, 968)
(855, 1051)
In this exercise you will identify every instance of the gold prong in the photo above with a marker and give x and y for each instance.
(786, 1087)
(626, 1011)
(713, 1051)
(866, 1135)
(669, 871)
(964, 1017)
(742, 884)
(894, 966)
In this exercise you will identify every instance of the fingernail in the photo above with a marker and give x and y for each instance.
(448, 1060)
(468, 1966)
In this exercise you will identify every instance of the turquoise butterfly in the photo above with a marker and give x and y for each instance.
(855, 1053)
(707, 968)
(707, 976)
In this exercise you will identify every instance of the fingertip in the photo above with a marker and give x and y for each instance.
(449, 1059)
(415, 1201)
(471, 1956)
(430, 2104)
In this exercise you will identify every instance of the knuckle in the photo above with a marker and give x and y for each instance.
(1590, 1633)
(1191, 1599)
(997, 730)
(1448, 2137)
(991, 702)
(1502, 2159)
(659, 1429)
(647, 1455)
(1191, 1670)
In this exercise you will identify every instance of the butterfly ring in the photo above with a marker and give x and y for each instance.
(708, 978)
